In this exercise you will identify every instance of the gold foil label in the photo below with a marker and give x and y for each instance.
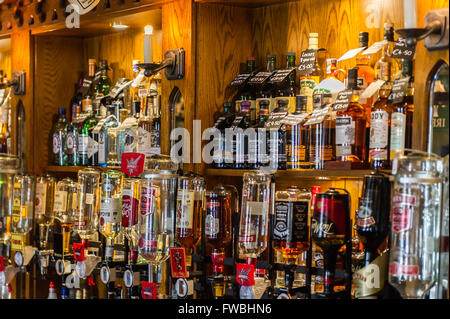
(369, 280)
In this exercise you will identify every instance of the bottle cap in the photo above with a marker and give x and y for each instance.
(363, 39)
(245, 106)
(264, 102)
(52, 285)
(301, 100)
(283, 102)
(227, 105)
(290, 54)
(251, 58)
(61, 112)
(316, 189)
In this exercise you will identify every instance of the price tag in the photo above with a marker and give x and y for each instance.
(260, 77)
(85, 86)
(294, 119)
(237, 121)
(342, 100)
(350, 54)
(374, 48)
(178, 262)
(240, 79)
(398, 90)
(275, 119)
(97, 76)
(372, 89)
(280, 75)
(218, 121)
(318, 116)
(307, 60)
(403, 51)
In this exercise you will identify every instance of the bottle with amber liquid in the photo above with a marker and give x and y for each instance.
(366, 74)
(402, 114)
(297, 138)
(351, 126)
(310, 80)
(333, 72)
(387, 68)
(288, 89)
(380, 128)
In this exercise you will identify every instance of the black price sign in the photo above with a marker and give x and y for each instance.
(85, 86)
(342, 100)
(403, 51)
(97, 75)
(275, 119)
(260, 78)
(307, 60)
(240, 79)
(237, 121)
(398, 90)
(280, 75)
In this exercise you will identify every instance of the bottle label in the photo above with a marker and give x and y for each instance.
(144, 141)
(57, 143)
(60, 203)
(211, 225)
(130, 140)
(255, 213)
(70, 143)
(291, 221)
(379, 126)
(370, 279)
(156, 142)
(147, 200)
(185, 210)
(129, 208)
(398, 128)
(40, 199)
(102, 147)
(402, 211)
(89, 199)
(345, 135)
(109, 210)
(83, 141)
(92, 147)
(16, 202)
(396, 269)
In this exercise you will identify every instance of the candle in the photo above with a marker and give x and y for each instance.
(148, 45)
(410, 14)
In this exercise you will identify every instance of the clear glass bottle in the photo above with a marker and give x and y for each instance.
(156, 128)
(110, 208)
(103, 142)
(43, 206)
(59, 139)
(23, 204)
(130, 214)
(387, 68)
(86, 144)
(65, 208)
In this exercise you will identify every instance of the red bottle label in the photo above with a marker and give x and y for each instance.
(129, 211)
(132, 163)
(149, 290)
(217, 260)
(147, 195)
(396, 269)
(144, 243)
(78, 251)
(245, 274)
(178, 262)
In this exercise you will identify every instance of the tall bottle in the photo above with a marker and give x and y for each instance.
(248, 92)
(297, 138)
(277, 137)
(309, 81)
(380, 128)
(72, 142)
(351, 126)
(258, 144)
(287, 90)
(402, 114)
(267, 90)
(366, 74)
(145, 129)
(104, 84)
(240, 141)
(59, 139)
(130, 214)
(387, 68)
(156, 129)
(110, 122)
(4, 130)
(43, 207)
(23, 199)
(111, 208)
(86, 144)
(65, 208)
(224, 121)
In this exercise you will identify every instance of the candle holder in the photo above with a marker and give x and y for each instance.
(173, 64)
(435, 33)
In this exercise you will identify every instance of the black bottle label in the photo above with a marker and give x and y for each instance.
(291, 221)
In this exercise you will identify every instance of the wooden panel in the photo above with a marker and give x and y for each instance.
(5, 56)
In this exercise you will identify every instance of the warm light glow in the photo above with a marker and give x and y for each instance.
(148, 29)
(119, 26)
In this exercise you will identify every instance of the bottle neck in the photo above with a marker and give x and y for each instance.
(270, 65)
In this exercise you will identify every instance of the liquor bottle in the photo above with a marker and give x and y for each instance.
(128, 135)
(190, 198)
(366, 74)
(109, 123)
(52, 291)
(72, 142)
(291, 224)
(4, 130)
(309, 81)
(247, 92)
(110, 208)
(104, 84)
(387, 68)
(258, 144)
(240, 141)
(59, 139)
(23, 200)
(86, 144)
(43, 207)
(277, 137)
(224, 121)
(65, 208)
(333, 72)
(320, 134)
(135, 99)
(297, 138)
(351, 126)
(267, 90)
(402, 115)
(130, 214)
(115, 145)
(144, 130)
(287, 90)
(380, 127)
(330, 229)
(156, 129)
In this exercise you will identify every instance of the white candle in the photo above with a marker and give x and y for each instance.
(410, 13)
(148, 45)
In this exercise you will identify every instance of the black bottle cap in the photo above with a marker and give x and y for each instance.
(264, 102)
(363, 39)
(283, 102)
(290, 54)
(352, 80)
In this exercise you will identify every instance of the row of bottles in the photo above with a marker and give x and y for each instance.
(305, 131)
(107, 122)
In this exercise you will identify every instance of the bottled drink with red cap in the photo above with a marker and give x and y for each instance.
(52, 291)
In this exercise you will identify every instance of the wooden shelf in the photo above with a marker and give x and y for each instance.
(75, 169)
(302, 174)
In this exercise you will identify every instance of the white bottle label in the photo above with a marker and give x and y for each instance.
(379, 121)
(211, 225)
(70, 143)
(41, 196)
(60, 201)
(144, 141)
(83, 141)
(398, 128)
(102, 147)
(185, 211)
(92, 147)
(130, 140)
(110, 210)
(89, 198)
(345, 135)
(57, 143)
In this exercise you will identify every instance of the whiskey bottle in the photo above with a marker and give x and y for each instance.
(258, 145)
(333, 72)
(59, 139)
(247, 92)
(277, 137)
(309, 81)
(402, 114)
(380, 127)
(291, 224)
(240, 141)
(351, 126)
(366, 74)
(297, 138)
(387, 68)
(223, 121)
(287, 90)
(267, 90)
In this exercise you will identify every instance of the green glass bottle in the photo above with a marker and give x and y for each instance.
(85, 142)
(104, 84)
(59, 139)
